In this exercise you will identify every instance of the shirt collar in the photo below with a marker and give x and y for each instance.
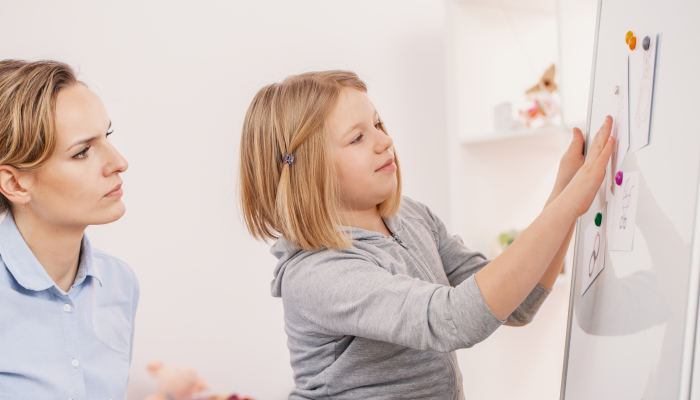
(24, 266)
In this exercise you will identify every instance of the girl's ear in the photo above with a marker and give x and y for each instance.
(13, 185)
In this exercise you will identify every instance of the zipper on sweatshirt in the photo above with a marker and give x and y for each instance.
(425, 270)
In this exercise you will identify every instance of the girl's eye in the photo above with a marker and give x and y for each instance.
(378, 124)
(82, 154)
(358, 139)
(109, 133)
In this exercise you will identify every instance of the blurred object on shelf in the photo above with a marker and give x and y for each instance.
(506, 238)
(503, 118)
(546, 83)
(541, 109)
(542, 105)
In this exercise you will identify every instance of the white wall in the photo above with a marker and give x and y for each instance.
(177, 78)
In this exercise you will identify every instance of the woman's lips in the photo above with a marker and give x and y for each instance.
(116, 192)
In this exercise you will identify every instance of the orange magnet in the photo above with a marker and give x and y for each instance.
(633, 42)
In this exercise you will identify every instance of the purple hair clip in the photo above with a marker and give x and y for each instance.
(288, 158)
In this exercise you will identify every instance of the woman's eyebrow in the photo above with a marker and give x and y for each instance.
(87, 140)
(83, 141)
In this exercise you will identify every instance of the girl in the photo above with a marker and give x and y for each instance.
(67, 315)
(377, 294)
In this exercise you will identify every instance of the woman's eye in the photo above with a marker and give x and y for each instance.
(378, 124)
(109, 132)
(358, 139)
(82, 154)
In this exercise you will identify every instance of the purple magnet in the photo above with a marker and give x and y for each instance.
(618, 178)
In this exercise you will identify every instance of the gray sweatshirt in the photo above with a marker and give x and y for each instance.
(382, 319)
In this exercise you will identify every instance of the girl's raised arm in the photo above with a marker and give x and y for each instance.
(509, 278)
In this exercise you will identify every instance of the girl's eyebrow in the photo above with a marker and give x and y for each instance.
(87, 140)
(357, 125)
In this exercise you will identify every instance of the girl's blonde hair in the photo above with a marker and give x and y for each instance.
(297, 201)
(28, 93)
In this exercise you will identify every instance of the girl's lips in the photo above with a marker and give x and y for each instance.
(116, 192)
(389, 166)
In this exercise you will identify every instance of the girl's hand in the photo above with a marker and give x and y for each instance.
(570, 162)
(582, 188)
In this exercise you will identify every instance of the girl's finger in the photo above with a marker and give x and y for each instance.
(600, 140)
(602, 160)
(577, 142)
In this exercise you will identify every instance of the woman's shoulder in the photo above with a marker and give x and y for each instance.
(113, 267)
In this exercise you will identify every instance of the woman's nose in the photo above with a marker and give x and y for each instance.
(117, 163)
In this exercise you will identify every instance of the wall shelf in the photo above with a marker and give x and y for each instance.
(514, 134)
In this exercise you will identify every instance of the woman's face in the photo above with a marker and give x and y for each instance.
(80, 184)
(363, 153)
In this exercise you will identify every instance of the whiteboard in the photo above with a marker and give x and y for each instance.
(631, 335)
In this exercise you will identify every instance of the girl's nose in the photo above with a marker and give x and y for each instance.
(384, 141)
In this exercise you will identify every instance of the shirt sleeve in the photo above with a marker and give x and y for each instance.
(346, 294)
(134, 306)
(461, 263)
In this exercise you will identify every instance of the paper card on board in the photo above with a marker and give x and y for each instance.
(642, 64)
(620, 114)
(619, 111)
(624, 213)
(593, 251)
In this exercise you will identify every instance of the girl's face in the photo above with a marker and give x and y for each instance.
(364, 154)
(79, 185)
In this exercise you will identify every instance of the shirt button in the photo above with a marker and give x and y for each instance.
(75, 362)
(66, 307)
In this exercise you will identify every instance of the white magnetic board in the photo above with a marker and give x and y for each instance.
(631, 335)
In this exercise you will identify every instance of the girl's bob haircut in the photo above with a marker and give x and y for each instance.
(297, 201)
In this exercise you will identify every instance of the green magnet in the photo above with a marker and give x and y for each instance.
(598, 219)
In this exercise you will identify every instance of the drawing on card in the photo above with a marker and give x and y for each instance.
(626, 201)
(642, 61)
(621, 234)
(593, 249)
(645, 88)
(594, 255)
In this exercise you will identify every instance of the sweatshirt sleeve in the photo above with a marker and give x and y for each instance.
(461, 263)
(347, 294)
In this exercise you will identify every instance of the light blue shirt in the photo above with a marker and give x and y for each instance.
(58, 345)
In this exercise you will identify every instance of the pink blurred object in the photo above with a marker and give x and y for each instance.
(175, 383)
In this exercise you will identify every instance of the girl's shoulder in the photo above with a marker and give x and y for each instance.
(413, 212)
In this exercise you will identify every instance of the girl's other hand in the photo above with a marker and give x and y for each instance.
(582, 188)
(570, 162)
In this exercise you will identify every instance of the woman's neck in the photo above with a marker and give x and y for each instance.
(368, 219)
(57, 248)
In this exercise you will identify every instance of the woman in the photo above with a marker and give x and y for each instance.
(67, 315)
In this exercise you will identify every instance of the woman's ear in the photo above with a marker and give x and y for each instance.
(12, 185)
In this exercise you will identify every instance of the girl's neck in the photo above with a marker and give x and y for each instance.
(368, 219)
(56, 247)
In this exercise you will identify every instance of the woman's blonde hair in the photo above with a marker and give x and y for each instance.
(28, 93)
(297, 201)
